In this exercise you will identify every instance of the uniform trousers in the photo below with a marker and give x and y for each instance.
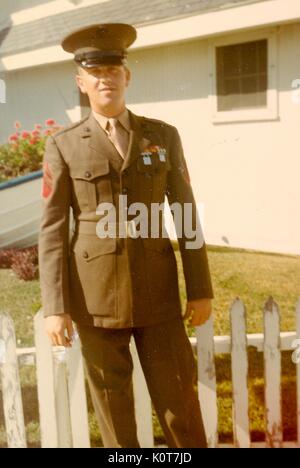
(169, 366)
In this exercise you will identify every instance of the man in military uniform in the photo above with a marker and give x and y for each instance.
(117, 286)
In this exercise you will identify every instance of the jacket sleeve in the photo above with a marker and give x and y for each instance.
(54, 232)
(194, 260)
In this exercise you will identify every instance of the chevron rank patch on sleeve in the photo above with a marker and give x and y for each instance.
(47, 181)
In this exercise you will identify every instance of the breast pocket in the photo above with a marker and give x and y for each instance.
(145, 179)
(162, 167)
(92, 184)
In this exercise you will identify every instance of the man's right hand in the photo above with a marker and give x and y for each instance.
(55, 326)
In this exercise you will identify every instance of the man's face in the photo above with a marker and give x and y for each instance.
(105, 85)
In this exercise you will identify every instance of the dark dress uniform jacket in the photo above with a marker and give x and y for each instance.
(114, 282)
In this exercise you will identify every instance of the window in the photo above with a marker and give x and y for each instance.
(244, 77)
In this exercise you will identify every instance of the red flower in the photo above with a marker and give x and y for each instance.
(32, 141)
(13, 137)
(25, 135)
(38, 127)
(17, 125)
(47, 132)
(50, 122)
(36, 133)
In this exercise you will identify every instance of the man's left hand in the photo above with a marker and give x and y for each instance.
(198, 311)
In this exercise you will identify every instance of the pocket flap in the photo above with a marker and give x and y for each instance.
(145, 166)
(90, 248)
(153, 164)
(99, 169)
(163, 162)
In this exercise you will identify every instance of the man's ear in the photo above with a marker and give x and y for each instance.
(128, 76)
(80, 83)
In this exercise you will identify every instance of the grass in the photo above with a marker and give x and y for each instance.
(21, 300)
(252, 276)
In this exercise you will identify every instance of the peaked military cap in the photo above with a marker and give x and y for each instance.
(100, 44)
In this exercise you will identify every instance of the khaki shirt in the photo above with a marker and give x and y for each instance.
(123, 118)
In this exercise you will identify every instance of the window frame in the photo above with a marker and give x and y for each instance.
(271, 111)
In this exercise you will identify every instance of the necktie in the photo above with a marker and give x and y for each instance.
(118, 136)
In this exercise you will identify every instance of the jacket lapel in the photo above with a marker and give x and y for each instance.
(138, 141)
(100, 144)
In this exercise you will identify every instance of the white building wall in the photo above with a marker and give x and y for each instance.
(246, 174)
(9, 7)
(34, 95)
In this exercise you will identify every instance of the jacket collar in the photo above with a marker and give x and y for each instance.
(123, 118)
(140, 138)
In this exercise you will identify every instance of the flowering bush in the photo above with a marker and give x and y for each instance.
(6, 258)
(23, 262)
(23, 153)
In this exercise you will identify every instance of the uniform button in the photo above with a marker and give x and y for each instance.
(125, 190)
(88, 174)
(85, 255)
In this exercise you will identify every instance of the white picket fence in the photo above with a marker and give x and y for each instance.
(61, 386)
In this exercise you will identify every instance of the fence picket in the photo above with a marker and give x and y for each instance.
(239, 368)
(142, 402)
(11, 388)
(272, 359)
(62, 405)
(207, 381)
(46, 385)
(77, 397)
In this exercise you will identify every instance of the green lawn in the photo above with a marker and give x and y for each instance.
(253, 276)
